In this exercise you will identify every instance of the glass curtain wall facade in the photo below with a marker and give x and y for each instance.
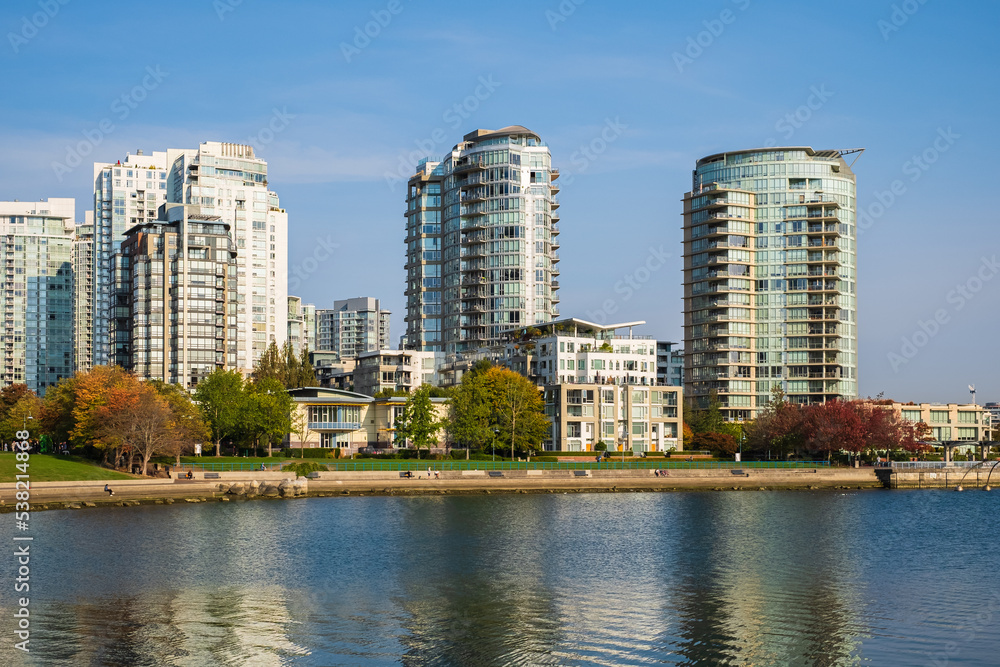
(36, 252)
(770, 284)
(495, 248)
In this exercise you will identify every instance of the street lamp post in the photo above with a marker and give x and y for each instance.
(496, 432)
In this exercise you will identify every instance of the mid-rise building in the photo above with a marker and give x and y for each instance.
(574, 351)
(301, 324)
(353, 327)
(229, 181)
(395, 370)
(481, 242)
(175, 299)
(125, 194)
(625, 417)
(84, 292)
(948, 422)
(770, 279)
(36, 252)
(669, 364)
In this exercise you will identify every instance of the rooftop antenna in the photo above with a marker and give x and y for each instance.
(972, 390)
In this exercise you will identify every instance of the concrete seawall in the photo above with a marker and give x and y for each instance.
(145, 491)
(938, 478)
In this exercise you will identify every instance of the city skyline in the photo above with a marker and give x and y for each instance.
(634, 104)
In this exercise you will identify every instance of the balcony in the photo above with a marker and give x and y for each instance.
(466, 165)
(334, 426)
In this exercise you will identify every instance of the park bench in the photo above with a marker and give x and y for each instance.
(211, 475)
(740, 473)
(496, 473)
(406, 474)
(581, 473)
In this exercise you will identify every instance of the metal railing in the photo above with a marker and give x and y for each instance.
(924, 465)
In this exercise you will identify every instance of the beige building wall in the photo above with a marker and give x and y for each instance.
(948, 421)
(349, 421)
(629, 417)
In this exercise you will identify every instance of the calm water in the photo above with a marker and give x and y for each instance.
(751, 578)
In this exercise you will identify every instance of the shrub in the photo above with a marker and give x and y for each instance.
(600, 447)
(312, 453)
(304, 468)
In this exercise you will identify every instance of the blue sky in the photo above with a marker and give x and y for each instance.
(664, 83)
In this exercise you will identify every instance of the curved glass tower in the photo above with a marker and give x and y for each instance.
(770, 279)
(482, 232)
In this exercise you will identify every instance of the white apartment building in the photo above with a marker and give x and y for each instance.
(574, 351)
(353, 327)
(36, 253)
(84, 292)
(669, 364)
(126, 193)
(395, 370)
(229, 181)
(301, 324)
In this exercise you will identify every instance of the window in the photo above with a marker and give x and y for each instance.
(939, 416)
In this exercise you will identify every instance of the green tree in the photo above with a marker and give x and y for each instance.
(518, 409)
(471, 420)
(418, 423)
(284, 365)
(9, 397)
(708, 419)
(221, 397)
(268, 413)
(188, 426)
(23, 413)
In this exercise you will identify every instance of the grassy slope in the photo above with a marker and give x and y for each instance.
(45, 468)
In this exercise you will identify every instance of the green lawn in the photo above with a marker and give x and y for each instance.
(46, 468)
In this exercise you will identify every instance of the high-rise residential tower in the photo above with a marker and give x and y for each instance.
(481, 242)
(229, 181)
(770, 279)
(125, 194)
(174, 300)
(301, 325)
(352, 327)
(36, 252)
(84, 292)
